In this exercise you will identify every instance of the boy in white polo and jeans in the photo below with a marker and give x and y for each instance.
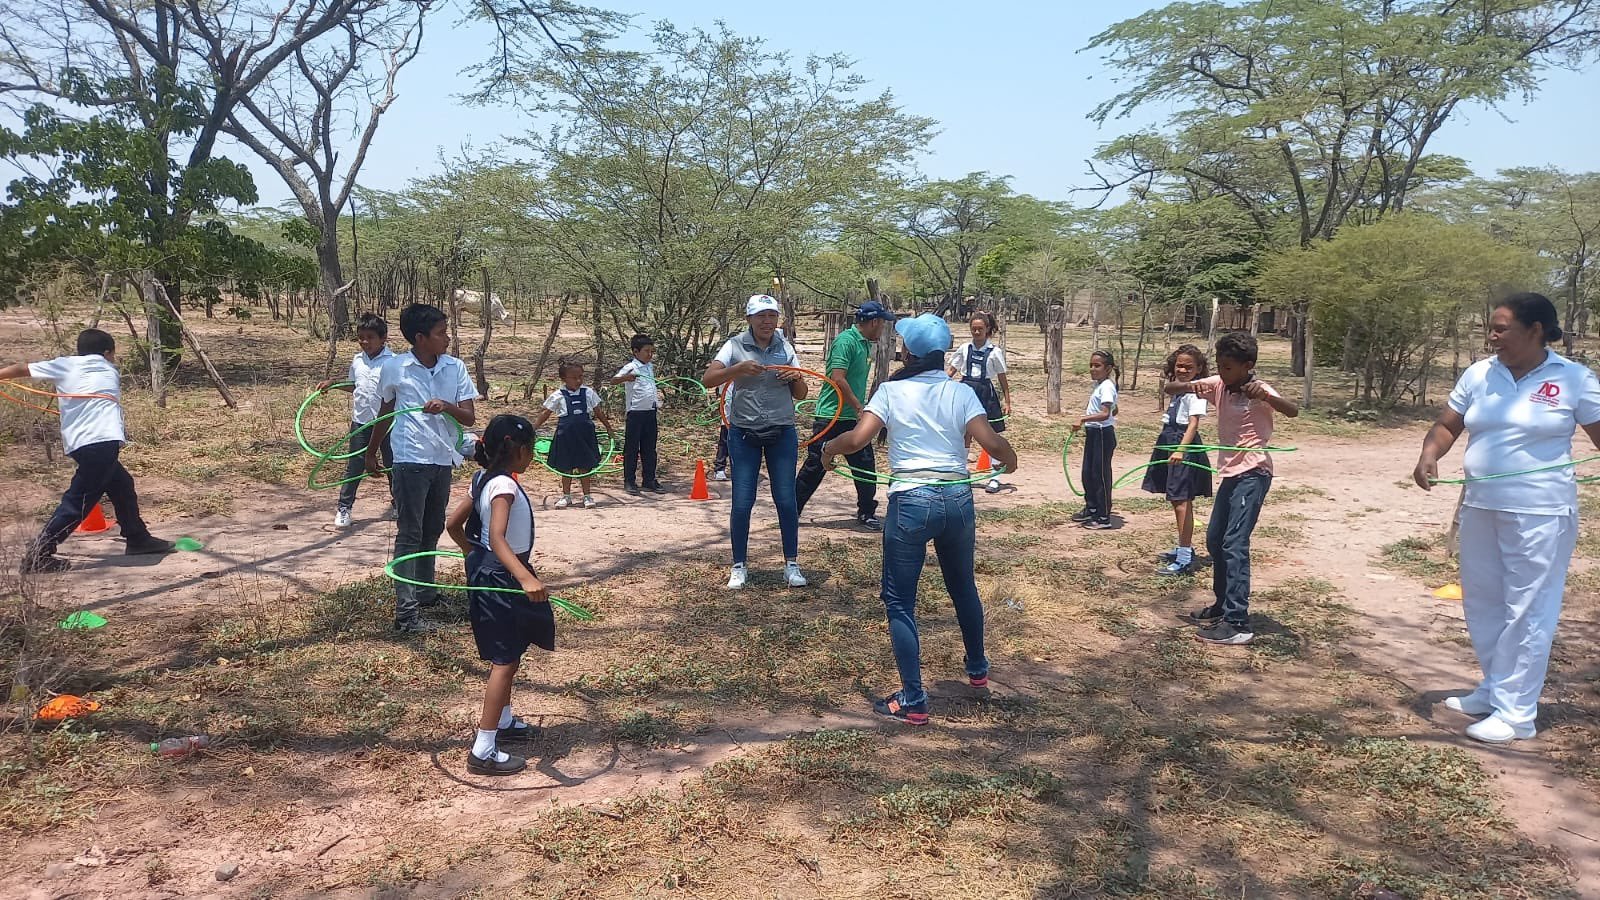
(425, 448)
(92, 432)
(643, 428)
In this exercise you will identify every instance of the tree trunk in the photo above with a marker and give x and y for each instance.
(194, 344)
(1055, 321)
(331, 278)
(1309, 360)
(599, 341)
(483, 344)
(1144, 325)
(1299, 343)
(549, 342)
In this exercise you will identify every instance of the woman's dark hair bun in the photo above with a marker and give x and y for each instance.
(1532, 309)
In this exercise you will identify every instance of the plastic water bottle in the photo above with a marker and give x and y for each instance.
(179, 747)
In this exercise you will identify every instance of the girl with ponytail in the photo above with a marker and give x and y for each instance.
(494, 528)
(1099, 424)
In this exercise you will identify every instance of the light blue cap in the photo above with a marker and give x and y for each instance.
(924, 334)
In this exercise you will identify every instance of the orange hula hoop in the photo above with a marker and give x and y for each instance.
(21, 402)
(837, 408)
(57, 394)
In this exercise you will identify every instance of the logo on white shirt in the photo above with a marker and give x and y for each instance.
(1548, 394)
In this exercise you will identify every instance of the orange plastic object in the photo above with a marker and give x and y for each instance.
(64, 707)
(699, 491)
(95, 522)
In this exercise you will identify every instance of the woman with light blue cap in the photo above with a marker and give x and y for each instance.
(929, 418)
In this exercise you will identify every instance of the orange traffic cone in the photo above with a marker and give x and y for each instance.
(985, 464)
(95, 522)
(699, 491)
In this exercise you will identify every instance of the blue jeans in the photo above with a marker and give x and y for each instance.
(744, 456)
(1233, 518)
(944, 515)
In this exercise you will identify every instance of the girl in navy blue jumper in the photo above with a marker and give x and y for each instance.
(576, 447)
(494, 528)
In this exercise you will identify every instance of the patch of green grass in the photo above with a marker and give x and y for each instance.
(827, 755)
(1421, 558)
(919, 813)
(647, 730)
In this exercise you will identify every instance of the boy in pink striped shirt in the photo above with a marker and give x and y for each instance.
(1244, 419)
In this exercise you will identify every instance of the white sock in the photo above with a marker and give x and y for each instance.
(483, 747)
(506, 718)
(1185, 555)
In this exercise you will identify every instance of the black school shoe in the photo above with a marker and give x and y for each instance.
(631, 488)
(1082, 515)
(148, 545)
(870, 522)
(1205, 618)
(511, 766)
(1226, 633)
(415, 626)
(655, 488)
(1099, 525)
(519, 731)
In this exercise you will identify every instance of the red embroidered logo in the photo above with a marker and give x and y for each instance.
(1546, 394)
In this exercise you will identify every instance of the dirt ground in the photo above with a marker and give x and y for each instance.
(699, 742)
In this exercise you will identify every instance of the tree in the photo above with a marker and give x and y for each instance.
(1400, 287)
(1309, 114)
(677, 178)
(148, 58)
(944, 228)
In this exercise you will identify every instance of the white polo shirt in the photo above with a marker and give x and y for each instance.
(85, 421)
(419, 437)
(927, 417)
(519, 523)
(993, 367)
(365, 371)
(641, 392)
(1103, 397)
(1517, 424)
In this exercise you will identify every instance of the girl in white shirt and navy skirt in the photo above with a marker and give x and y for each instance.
(1099, 424)
(1178, 474)
(575, 450)
(494, 528)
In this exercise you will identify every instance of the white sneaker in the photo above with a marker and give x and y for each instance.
(791, 574)
(720, 475)
(738, 576)
(1468, 705)
(993, 487)
(588, 502)
(342, 518)
(1495, 730)
(563, 503)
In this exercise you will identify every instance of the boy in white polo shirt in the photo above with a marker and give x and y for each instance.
(372, 333)
(425, 447)
(92, 431)
(643, 428)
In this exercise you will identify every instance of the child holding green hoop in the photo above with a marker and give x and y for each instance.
(493, 527)
(372, 333)
(1181, 475)
(575, 451)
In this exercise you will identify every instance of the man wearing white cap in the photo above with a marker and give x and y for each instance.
(761, 424)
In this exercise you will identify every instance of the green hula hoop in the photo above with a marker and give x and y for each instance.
(1125, 477)
(1128, 475)
(1066, 464)
(605, 459)
(299, 432)
(801, 405)
(566, 606)
(1587, 479)
(855, 474)
(324, 458)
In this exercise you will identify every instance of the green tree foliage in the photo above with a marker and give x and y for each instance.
(1396, 290)
(104, 195)
(680, 178)
(1308, 114)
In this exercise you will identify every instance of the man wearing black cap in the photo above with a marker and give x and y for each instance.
(849, 360)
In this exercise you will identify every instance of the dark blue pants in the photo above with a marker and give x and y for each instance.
(1233, 518)
(360, 436)
(812, 472)
(100, 474)
(746, 455)
(421, 500)
(639, 444)
(1098, 445)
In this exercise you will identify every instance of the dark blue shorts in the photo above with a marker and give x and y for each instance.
(504, 624)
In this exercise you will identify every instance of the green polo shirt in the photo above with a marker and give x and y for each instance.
(852, 352)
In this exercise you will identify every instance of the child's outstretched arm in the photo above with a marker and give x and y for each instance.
(1256, 390)
(860, 436)
(1190, 435)
(544, 416)
(15, 370)
(380, 433)
(1000, 449)
(462, 412)
(605, 420)
(456, 525)
(334, 384)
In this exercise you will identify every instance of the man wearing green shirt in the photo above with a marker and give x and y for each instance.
(849, 359)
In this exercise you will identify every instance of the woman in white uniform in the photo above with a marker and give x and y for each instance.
(1519, 512)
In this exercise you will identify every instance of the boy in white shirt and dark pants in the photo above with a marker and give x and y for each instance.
(425, 447)
(93, 434)
(643, 428)
(365, 371)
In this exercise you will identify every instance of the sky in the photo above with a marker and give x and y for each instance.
(1004, 79)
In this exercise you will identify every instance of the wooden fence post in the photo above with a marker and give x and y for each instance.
(1052, 358)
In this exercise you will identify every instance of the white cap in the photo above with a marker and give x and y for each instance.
(760, 303)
